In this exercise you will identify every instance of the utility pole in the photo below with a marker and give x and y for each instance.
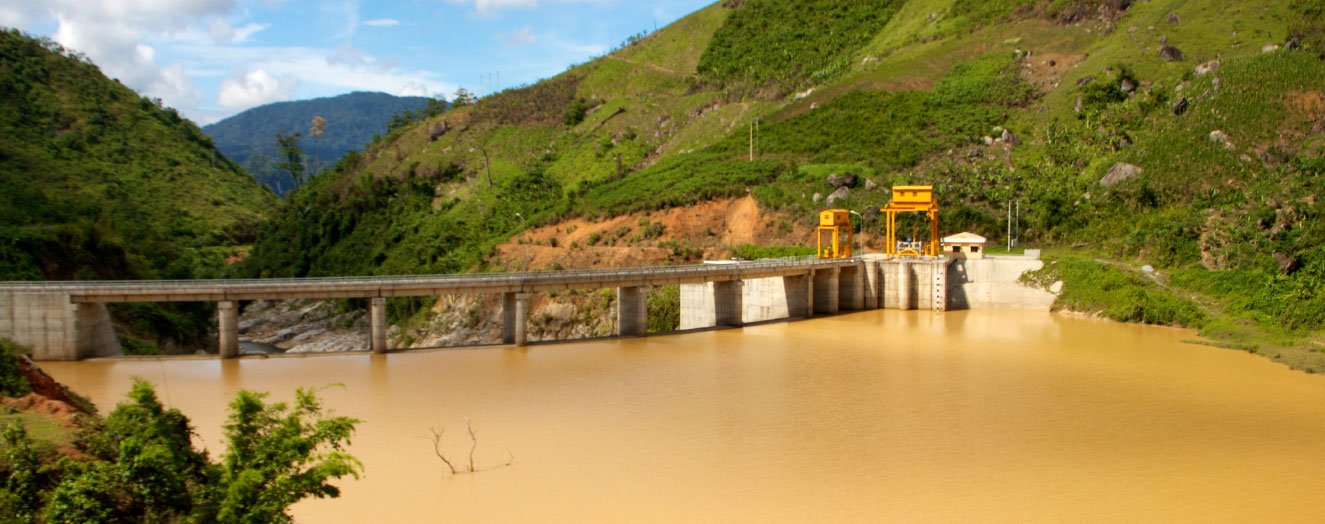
(1016, 230)
(524, 244)
(1009, 226)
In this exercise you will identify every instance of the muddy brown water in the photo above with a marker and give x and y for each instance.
(880, 416)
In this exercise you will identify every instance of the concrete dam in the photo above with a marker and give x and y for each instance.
(70, 320)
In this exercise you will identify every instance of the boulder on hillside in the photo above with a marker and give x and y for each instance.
(1011, 138)
(870, 213)
(817, 197)
(1218, 136)
(870, 185)
(840, 194)
(842, 180)
(1171, 54)
(437, 130)
(1174, 18)
(1119, 5)
(1208, 67)
(1180, 106)
(1120, 172)
(1287, 265)
(1127, 86)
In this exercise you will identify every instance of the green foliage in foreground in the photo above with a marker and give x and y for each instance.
(784, 45)
(1117, 293)
(140, 465)
(12, 382)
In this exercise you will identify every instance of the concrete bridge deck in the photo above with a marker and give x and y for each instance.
(70, 321)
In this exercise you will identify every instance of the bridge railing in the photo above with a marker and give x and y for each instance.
(510, 277)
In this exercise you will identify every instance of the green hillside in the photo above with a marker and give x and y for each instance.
(352, 120)
(100, 183)
(1225, 201)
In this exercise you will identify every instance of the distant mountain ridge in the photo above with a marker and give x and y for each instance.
(249, 138)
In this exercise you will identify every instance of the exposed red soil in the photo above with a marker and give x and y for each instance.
(710, 228)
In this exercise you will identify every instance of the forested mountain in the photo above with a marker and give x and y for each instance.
(352, 120)
(1182, 134)
(97, 182)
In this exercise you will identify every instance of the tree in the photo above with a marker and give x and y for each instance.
(142, 465)
(316, 131)
(277, 458)
(463, 98)
(292, 155)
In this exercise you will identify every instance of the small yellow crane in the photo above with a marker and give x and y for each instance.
(834, 233)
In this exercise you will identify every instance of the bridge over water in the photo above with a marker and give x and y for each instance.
(70, 321)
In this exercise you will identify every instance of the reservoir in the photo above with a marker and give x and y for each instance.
(874, 416)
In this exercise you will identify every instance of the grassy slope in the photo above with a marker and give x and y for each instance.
(899, 110)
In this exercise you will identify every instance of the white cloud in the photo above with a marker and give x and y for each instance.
(487, 7)
(521, 36)
(222, 32)
(381, 22)
(344, 68)
(254, 89)
(413, 89)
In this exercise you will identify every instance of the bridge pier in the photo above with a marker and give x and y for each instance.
(227, 328)
(377, 319)
(515, 318)
(905, 294)
(632, 311)
(826, 289)
(871, 285)
(798, 295)
(727, 303)
(851, 288)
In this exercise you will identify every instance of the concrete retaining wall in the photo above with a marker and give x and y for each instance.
(56, 329)
(993, 283)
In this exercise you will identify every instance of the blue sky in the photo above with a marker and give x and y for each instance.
(214, 58)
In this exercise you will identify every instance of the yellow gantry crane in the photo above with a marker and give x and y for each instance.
(834, 233)
(912, 199)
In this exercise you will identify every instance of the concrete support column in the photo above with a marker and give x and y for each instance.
(508, 318)
(377, 319)
(727, 306)
(905, 288)
(809, 293)
(519, 322)
(94, 333)
(826, 291)
(798, 294)
(851, 287)
(227, 327)
(632, 311)
(873, 292)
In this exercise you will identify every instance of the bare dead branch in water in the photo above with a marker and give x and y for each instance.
(437, 433)
(474, 440)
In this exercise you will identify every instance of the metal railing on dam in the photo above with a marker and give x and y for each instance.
(414, 285)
